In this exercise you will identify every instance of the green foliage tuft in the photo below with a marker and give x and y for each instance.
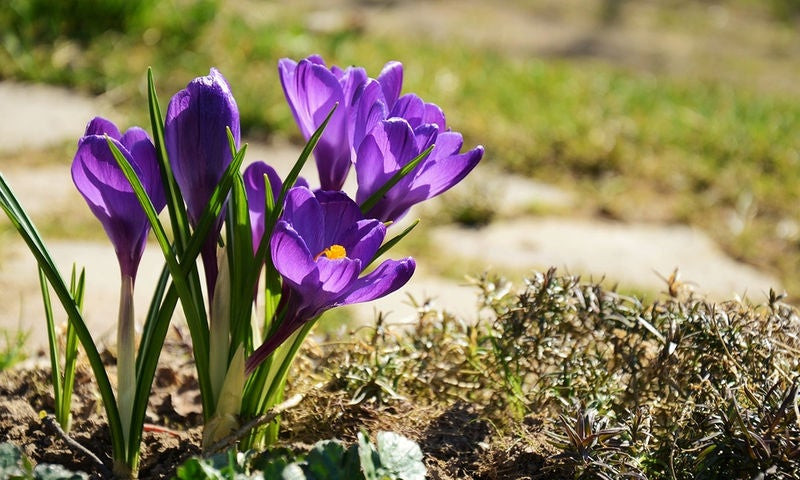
(15, 466)
(12, 350)
(394, 458)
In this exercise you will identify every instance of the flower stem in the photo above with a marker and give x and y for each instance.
(126, 357)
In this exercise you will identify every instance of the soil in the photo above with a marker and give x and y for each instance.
(174, 404)
(456, 442)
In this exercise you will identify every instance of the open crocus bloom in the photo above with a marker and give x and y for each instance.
(391, 145)
(320, 246)
(312, 90)
(108, 193)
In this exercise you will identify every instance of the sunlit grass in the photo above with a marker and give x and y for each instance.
(12, 347)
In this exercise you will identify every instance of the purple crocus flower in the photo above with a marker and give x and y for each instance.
(108, 193)
(254, 187)
(390, 146)
(312, 89)
(198, 148)
(320, 246)
(111, 198)
(380, 99)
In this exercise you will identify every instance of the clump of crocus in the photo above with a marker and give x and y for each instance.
(320, 246)
(379, 131)
(195, 132)
(111, 198)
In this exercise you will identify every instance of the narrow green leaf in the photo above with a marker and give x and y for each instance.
(175, 204)
(77, 287)
(376, 197)
(272, 279)
(192, 306)
(52, 337)
(242, 263)
(22, 223)
(301, 161)
(147, 363)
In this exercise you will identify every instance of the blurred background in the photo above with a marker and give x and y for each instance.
(623, 138)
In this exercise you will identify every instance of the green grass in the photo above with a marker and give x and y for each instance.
(714, 152)
(12, 347)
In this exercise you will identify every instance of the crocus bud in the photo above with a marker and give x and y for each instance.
(197, 143)
(108, 193)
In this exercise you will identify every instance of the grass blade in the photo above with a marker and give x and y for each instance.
(175, 204)
(52, 339)
(23, 224)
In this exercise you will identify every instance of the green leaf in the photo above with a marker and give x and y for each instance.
(175, 204)
(14, 466)
(45, 471)
(400, 457)
(369, 458)
(25, 227)
(329, 460)
(11, 462)
(52, 338)
(192, 303)
(227, 465)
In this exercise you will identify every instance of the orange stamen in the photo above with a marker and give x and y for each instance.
(334, 252)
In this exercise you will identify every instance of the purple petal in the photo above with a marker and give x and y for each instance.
(312, 91)
(434, 114)
(303, 211)
(290, 254)
(425, 136)
(370, 109)
(447, 171)
(388, 277)
(339, 212)
(334, 277)
(196, 137)
(101, 126)
(144, 156)
(255, 186)
(316, 59)
(386, 149)
(447, 143)
(411, 108)
(391, 80)
(111, 199)
(363, 239)
(352, 81)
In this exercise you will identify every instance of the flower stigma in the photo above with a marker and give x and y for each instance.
(334, 252)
